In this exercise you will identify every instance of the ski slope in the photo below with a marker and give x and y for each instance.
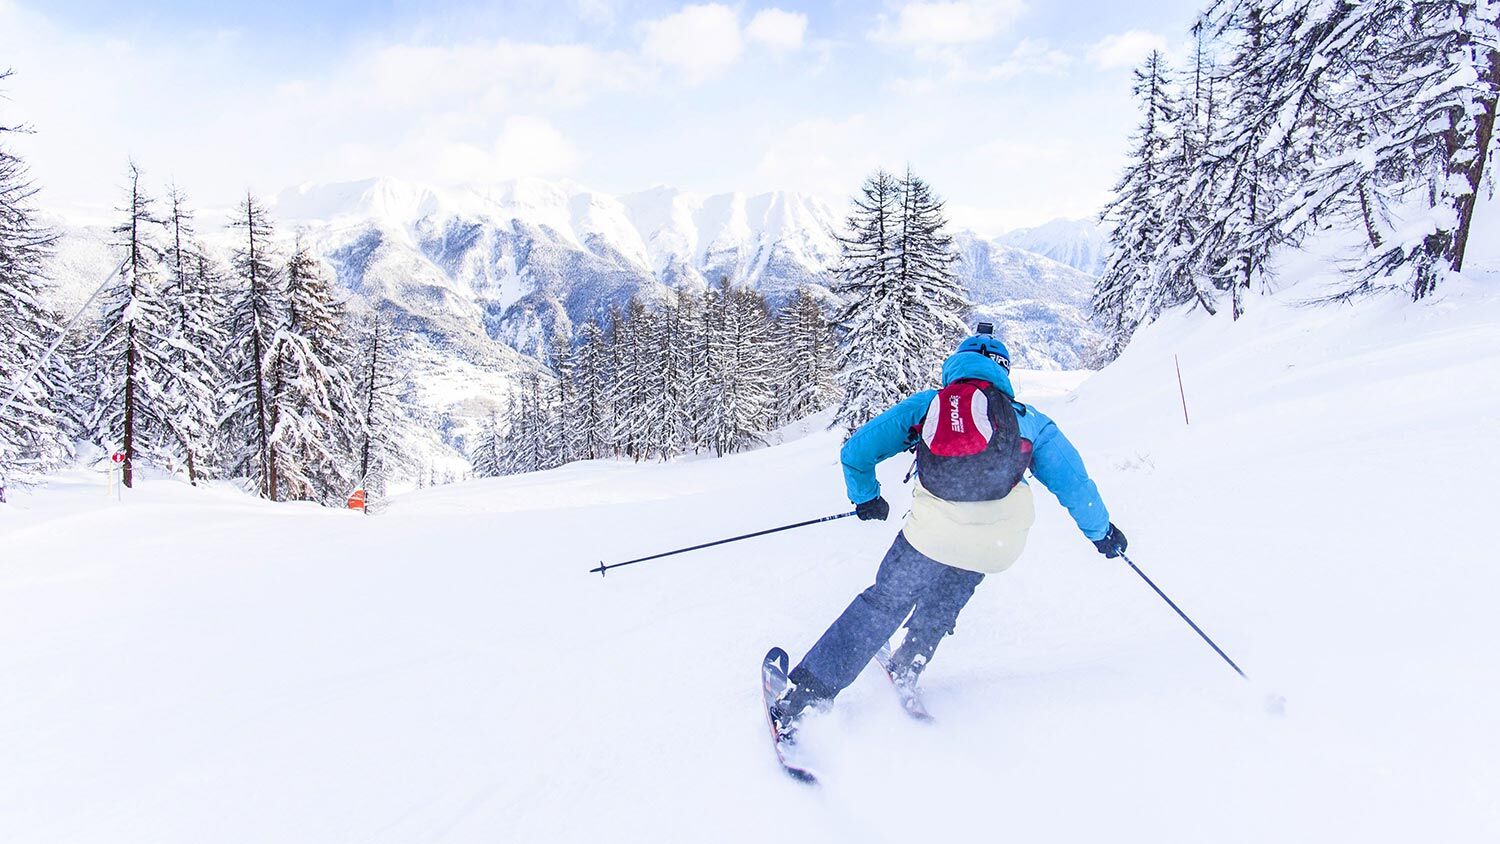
(193, 665)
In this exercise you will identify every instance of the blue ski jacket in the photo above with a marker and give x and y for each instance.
(1055, 462)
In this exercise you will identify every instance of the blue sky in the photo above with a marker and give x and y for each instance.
(1017, 111)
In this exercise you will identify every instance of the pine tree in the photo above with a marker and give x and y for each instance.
(689, 354)
(32, 438)
(592, 377)
(905, 305)
(560, 440)
(705, 352)
(926, 268)
(313, 411)
(1154, 215)
(1435, 68)
(633, 377)
(1237, 178)
(133, 412)
(256, 313)
(194, 297)
(803, 343)
(488, 455)
(670, 413)
(1183, 259)
(526, 442)
(386, 425)
(743, 402)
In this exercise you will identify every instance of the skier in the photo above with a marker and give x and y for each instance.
(970, 513)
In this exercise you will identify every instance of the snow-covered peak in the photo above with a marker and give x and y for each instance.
(383, 199)
(652, 229)
(1081, 244)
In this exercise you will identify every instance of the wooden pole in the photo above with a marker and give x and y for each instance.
(1180, 391)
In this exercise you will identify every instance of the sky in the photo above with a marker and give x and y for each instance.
(1017, 111)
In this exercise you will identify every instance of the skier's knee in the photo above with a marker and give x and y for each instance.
(886, 600)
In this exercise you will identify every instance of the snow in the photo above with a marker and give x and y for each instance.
(194, 665)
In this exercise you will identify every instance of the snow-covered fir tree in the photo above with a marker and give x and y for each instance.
(530, 415)
(649, 384)
(869, 379)
(742, 394)
(1136, 217)
(488, 455)
(1247, 175)
(804, 351)
(1416, 84)
(386, 426)
(32, 438)
(133, 412)
(1374, 116)
(632, 379)
(705, 361)
(560, 434)
(669, 409)
(591, 376)
(256, 312)
(194, 296)
(906, 304)
(314, 415)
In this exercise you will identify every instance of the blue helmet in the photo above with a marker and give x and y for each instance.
(987, 345)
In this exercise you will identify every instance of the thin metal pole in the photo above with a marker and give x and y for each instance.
(1181, 391)
(1195, 627)
(603, 568)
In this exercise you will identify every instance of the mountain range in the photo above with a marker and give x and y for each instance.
(524, 260)
(1081, 244)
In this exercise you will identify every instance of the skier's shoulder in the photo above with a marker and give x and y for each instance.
(890, 430)
(1032, 420)
(910, 410)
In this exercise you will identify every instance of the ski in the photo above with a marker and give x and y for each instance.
(773, 681)
(906, 690)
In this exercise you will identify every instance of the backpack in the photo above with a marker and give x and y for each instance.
(971, 448)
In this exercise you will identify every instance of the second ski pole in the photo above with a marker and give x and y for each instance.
(604, 568)
(1196, 628)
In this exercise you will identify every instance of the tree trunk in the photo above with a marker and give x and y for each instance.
(127, 469)
(1474, 171)
(267, 460)
(1368, 215)
(364, 453)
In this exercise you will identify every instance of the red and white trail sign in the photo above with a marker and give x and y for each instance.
(117, 458)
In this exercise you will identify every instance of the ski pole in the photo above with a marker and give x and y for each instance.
(603, 568)
(1195, 627)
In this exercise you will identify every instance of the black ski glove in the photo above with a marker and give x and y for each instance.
(1113, 544)
(875, 508)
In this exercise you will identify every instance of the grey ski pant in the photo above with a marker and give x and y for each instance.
(908, 582)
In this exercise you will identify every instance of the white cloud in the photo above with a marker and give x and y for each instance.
(954, 67)
(1031, 57)
(597, 12)
(700, 40)
(778, 29)
(526, 146)
(947, 23)
(1126, 49)
(825, 157)
(483, 74)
